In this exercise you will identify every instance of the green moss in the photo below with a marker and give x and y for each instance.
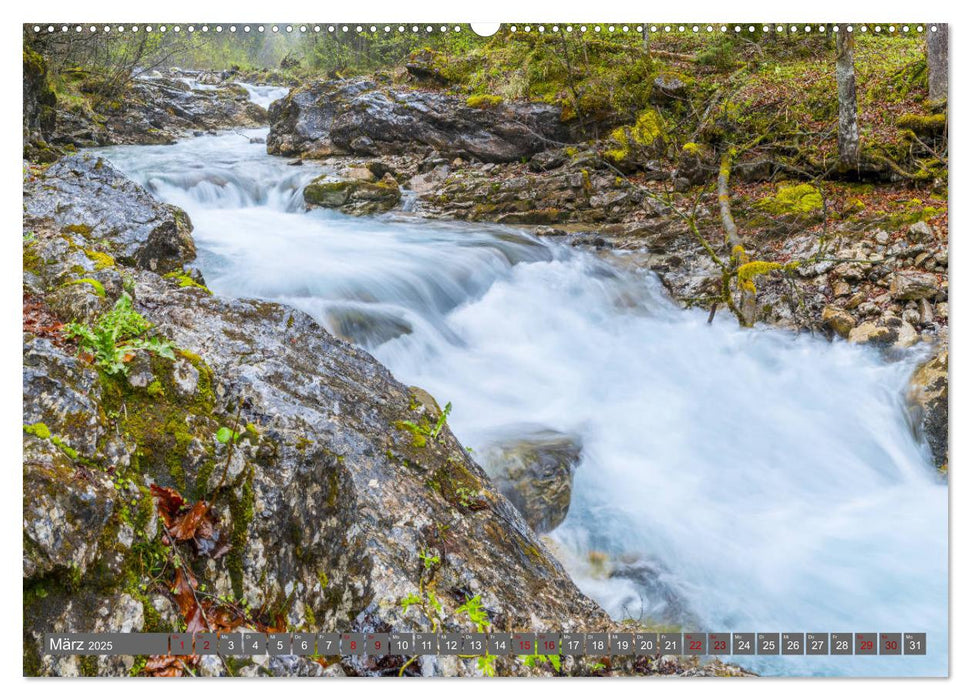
(33, 262)
(483, 101)
(649, 133)
(801, 199)
(923, 124)
(692, 149)
(163, 423)
(750, 270)
(98, 288)
(82, 229)
(456, 484)
(185, 281)
(38, 430)
(243, 509)
(101, 260)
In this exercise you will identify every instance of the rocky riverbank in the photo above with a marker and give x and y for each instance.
(156, 108)
(333, 505)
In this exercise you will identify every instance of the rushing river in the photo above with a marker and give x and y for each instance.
(733, 480)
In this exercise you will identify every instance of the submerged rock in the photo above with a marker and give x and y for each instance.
(358, 197)
(360, 117)
(367, 327)
(534, 470)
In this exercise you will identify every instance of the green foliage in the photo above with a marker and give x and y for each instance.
(487, 664)
(477, 614)
(226, 435)
(440, 423)
(428, 560)
(533, 659)
(116, 335)
(422, 430)
(647, 135)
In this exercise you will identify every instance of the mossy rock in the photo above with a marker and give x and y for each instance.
(802, 200)
(353, 196)
(632, 145)
(923, 125)
(483, 101)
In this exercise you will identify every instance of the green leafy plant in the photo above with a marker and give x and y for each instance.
(117, 335)
(226, 435)
(428, 560)
(487, 664)
(409, 600)
(477, 614)
(422, 430)
(552, 659)
(440, 423)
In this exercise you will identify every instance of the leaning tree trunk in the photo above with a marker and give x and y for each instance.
(848, 132)
(937, 63)
(746, 309)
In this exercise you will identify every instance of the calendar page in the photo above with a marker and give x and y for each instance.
(468, 350)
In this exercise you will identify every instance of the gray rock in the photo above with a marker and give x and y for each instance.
(534, 470)
(358, 116)
(927, 402)
(914, 285)
(87, 197)
(358, 197)
(668, 88)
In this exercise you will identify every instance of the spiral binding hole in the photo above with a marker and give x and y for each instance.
(526, 28)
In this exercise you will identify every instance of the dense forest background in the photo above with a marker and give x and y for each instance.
(756, 91)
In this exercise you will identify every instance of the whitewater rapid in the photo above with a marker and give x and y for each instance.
(734, 480)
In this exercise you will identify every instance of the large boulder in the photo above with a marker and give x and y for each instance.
(86, 197)
(534, 470)
(359, 117)
(927, 400)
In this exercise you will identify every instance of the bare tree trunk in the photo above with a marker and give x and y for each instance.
(646, 37)
(937, 63)
(747, 308)
(849, 132)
